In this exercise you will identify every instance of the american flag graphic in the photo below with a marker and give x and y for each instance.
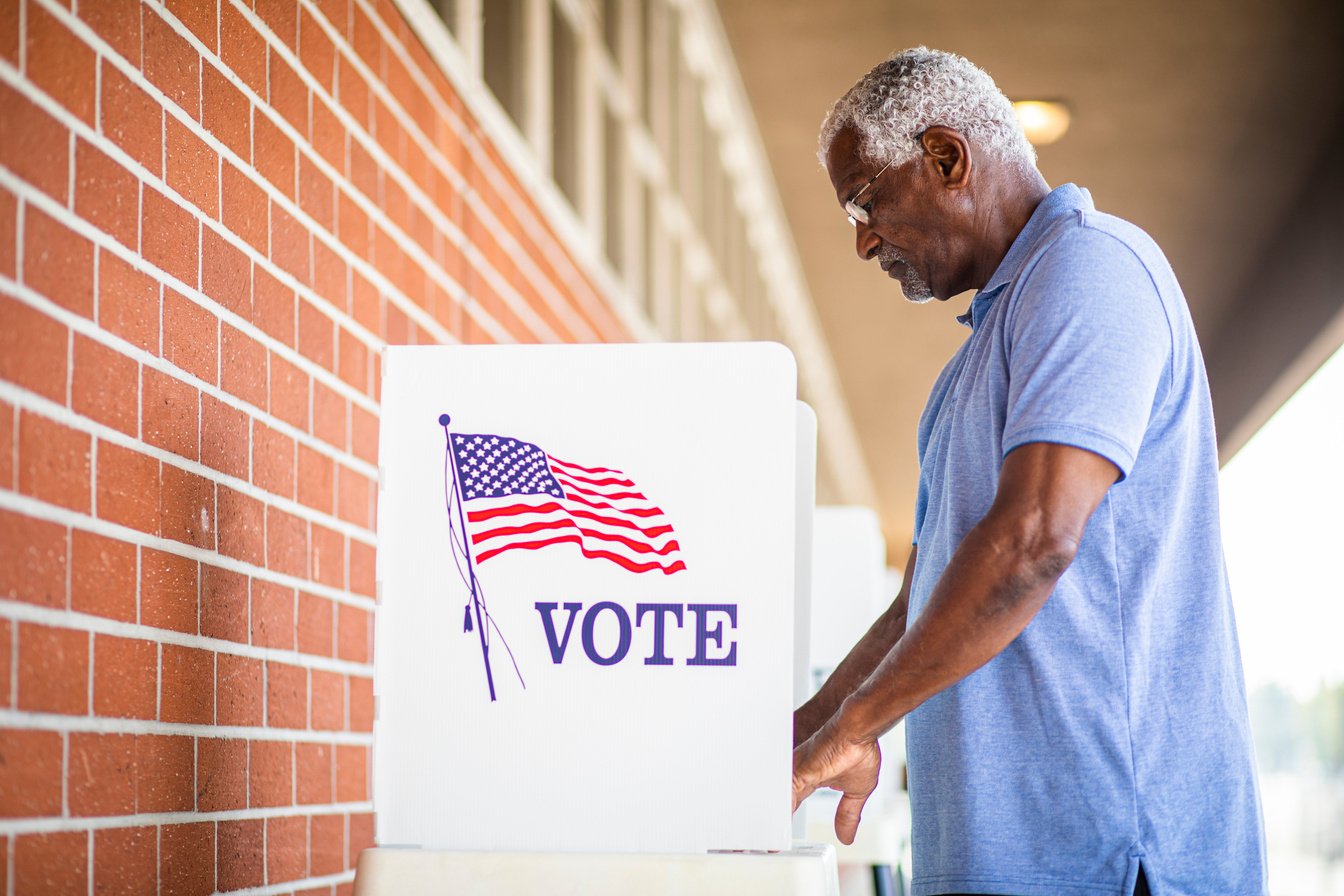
(519, 497)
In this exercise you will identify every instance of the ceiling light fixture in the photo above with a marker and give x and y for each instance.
(1044, 121)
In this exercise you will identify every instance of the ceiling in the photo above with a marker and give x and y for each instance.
(1209, 124)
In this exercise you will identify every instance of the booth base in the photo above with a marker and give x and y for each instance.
(880, 839)
(872, 863)
(805, 870)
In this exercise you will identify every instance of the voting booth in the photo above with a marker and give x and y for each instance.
(851, 586)
(587, 587)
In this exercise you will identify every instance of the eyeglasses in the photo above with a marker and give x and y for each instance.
(858, 214)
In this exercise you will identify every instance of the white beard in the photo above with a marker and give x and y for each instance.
(912, 284)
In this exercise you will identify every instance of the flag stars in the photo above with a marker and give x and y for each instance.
(494, 466)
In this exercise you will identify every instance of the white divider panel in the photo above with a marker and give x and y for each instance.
(802, 603)
(849, 562)
(849, 592)
(806, 510)
(586, 568)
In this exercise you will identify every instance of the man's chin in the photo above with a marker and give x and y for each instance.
(913, 286)
(917, 293)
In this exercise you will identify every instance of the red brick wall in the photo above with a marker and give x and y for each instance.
(211, 219)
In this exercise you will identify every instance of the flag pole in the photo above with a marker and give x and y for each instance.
(444, 420)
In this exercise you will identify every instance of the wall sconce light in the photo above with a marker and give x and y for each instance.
(1044, 121)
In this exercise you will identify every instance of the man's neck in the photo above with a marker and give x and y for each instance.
(1010, 208)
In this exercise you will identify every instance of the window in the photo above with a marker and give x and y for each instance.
(564, 107)
(652, 246)
(688, 138)
(447, 10)
(648, 54)
(711, 190)
(611, 28)
(692, 305)
(732, 251)
(614, 140)
(670, 318)
(668, 136)
(503, 54)
(660, 47)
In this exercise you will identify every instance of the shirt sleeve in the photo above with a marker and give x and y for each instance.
(1089, 349)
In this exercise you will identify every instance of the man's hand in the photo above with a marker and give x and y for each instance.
(827, 759)
(805, 724)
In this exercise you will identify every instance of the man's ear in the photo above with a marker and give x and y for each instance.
(948, 150)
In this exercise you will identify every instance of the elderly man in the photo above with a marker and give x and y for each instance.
(1063, 649)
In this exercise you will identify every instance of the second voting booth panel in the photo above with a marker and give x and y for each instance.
(850, 587)
(586, 568)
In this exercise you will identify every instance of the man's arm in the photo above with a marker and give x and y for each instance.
(858, 664)
(999, 577)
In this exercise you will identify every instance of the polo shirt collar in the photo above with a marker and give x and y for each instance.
(1064, 200)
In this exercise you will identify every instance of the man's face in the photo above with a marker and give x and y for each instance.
(901, 233)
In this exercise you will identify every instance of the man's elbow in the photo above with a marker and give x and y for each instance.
(1050, 554)
(1037, 555)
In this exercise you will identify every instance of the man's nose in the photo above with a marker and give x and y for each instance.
(866, 243)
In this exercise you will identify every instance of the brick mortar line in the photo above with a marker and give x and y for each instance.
(562, 258)
(92, 330)
(19, 720)
(61, 516)
(50, 410)
(23, 398)
(517, 304)
(108, 243)
(169, 107)
(537, 231)
(53, 824)
(17, 611)
(368, 205)
(291, 886)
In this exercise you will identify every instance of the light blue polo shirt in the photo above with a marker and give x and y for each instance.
(1113, 731)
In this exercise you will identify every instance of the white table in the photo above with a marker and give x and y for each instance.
(805, 870)
(879, 844)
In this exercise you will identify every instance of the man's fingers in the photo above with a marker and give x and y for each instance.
(801, 791)
(847, 816)
(852, 769)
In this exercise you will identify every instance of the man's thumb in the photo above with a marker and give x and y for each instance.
(847, 816)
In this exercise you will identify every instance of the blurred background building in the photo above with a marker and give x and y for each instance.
(214, 213)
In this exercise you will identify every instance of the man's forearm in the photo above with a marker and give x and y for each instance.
(857, 666)
(995, 583)
(1002, 573)
(860, 662)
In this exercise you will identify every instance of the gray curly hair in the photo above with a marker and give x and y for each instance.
(916, 89)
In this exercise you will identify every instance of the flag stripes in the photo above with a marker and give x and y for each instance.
(524, 499)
